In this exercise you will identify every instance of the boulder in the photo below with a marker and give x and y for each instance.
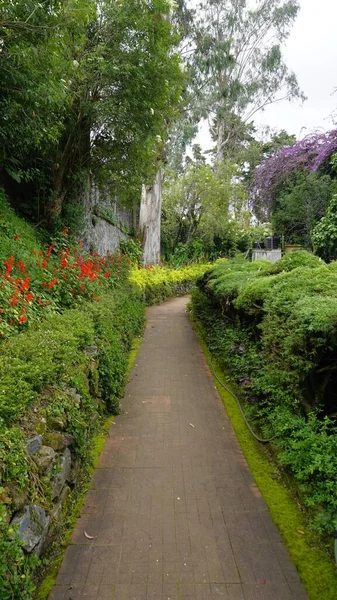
(58, 481)
(56, 440)
(45, 459)
(19, 498)
(34, 444)
(91, 350)
(32, 527)
(57, 423)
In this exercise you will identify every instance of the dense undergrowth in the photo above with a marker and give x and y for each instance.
(274, 327)
(68, 319)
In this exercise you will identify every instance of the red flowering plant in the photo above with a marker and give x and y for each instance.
(60, 276)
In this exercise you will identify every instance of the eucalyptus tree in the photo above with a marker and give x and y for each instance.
(238, 66)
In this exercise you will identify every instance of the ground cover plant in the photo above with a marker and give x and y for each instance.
(274, 326)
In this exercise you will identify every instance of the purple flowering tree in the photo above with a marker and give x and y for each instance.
(309, 154)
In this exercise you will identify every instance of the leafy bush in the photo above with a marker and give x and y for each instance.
(159, 283)
(132, 249)
(39, 372)
(274, 327)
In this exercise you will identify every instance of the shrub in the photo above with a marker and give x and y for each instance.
(48, 372)
(274, 327)
(159, 283)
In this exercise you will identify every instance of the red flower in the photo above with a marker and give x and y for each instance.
(9, 266)
(16, 237)
(40, 302)
(22, 319)
(107, 274)
(45, 264)
(52, 283)
(14, 301)
(17, 281)
(44, 283)
(82, 287)
(50, 249)
(22, 266)
(25, 284)
(29, 297)
(65, 231)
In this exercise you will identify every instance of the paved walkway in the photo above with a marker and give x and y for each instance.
(173, 508)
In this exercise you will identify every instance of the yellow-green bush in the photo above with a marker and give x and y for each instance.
(159, 283)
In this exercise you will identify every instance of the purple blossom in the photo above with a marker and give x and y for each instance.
(308, 154)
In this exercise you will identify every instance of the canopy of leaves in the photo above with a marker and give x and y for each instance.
(85, 87)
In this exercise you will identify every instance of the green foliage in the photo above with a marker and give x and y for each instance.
(274, 327)
(132, 249)
(86, 87)
(325, 233)
(159, 283)
(196, 210)
(300, 205)
(293, 260)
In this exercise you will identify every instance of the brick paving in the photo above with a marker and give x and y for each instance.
(173, 508)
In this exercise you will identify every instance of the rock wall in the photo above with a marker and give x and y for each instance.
(104, 237)
(106, 222)
(54, 463)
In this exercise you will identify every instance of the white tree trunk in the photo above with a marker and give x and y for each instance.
(150, 220)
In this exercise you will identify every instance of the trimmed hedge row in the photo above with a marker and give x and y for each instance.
(275, 328)
(69, 369)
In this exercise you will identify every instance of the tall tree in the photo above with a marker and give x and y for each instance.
(238, 64)
(88, 86)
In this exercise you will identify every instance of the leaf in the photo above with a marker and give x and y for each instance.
(89, 537)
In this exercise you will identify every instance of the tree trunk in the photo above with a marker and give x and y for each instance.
(150, 220)
(220, 134)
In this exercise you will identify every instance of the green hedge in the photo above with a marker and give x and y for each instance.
(70, 366)
(275, 328)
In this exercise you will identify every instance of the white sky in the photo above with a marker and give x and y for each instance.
(310, 51)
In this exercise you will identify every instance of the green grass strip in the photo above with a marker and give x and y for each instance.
(317, 572)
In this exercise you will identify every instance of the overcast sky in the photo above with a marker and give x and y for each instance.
(310, 51)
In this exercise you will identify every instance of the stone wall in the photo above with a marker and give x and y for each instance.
(54, 463)
(106, 222)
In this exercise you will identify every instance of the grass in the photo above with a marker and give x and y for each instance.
(98, 442)
(317, 572)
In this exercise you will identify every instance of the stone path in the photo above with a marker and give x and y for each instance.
(173, 508)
